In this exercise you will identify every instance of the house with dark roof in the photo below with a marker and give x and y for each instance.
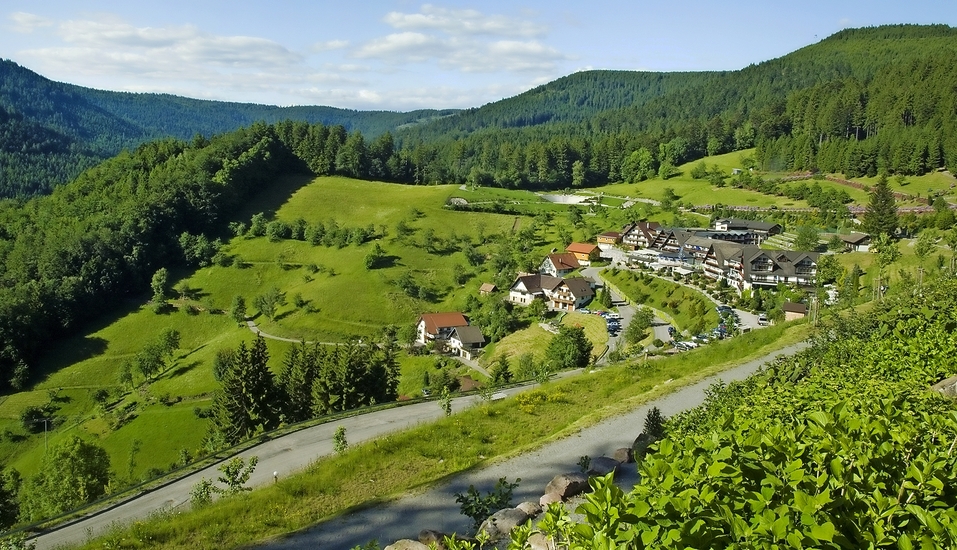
(585, 253)
(529, 287)
(856, 242)
(794, 310)
(558, 294)
(639, 235)
(570, 294)
(768, 268)
(466, 341)
(438, 326)
(759, 230)
(559, 265)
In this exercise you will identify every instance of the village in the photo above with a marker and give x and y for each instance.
(734, 253)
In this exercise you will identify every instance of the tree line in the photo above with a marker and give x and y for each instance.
(314, 380)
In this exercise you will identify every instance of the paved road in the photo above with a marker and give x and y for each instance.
(436, 508)
(284, 455)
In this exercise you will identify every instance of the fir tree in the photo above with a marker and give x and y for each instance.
(880, 217)
(246, 402)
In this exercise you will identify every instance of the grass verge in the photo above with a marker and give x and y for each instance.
(386, 468)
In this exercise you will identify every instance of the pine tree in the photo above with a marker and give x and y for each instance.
(247, 401)
(880, 217)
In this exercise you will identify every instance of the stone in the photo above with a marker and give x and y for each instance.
(567, 485)
(602, 466)
(407, 544)
(549, 498)
(624, 455)
(500, 524)
(530, 508)
(539, 541)
(431, 537)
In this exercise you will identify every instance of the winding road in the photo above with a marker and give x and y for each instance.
(435, 508)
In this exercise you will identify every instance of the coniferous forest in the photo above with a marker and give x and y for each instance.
(858, 102)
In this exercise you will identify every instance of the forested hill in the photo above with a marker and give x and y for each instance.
(856, 102)
(635, 100)
(50, 131)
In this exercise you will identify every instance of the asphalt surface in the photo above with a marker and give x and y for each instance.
(436, 508)
(284, 455)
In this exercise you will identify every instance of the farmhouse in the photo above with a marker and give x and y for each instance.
(438, 326)
(466, 341)
(558, 294)
(585, 253)
(559, 265)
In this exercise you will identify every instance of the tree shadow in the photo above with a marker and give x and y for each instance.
(183, 369)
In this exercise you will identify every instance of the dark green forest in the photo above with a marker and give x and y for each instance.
(50, 132)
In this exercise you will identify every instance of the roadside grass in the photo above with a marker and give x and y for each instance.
(385, 468)
(690, 309)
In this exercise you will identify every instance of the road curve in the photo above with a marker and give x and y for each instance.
(436, 508)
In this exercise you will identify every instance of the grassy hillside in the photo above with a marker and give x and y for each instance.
(339, 300)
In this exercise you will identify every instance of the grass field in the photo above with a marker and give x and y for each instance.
(690, 309)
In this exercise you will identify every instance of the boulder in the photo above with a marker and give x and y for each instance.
(500, 524)
(539, 541)
(602, 466)
(530, 508)
(624, 455)
(549, 498)
(567, 485)
(407, 544)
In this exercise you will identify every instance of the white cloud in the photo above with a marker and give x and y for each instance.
(458, 22)
(403, 46)
(329, 45)
(27, 22)
(463, 40)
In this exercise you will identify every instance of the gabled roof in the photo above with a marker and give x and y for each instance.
(563, 262)
(747, 224)
(536, 283)
(581, 248)
(468, 335)
(855, 238)
(436, 321)
(794, 307)
(579, 287)
(488, 287)
(610, 234)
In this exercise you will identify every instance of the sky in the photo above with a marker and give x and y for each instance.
(402, 55)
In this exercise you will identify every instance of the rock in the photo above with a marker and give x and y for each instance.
(500, 524)
(530, 508)
(567, 485)
(407, 544)
(539, 541)
(602, 466)
(549, 498)
(431, 537)
(624, 455)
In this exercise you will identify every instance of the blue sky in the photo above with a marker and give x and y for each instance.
(403, 55)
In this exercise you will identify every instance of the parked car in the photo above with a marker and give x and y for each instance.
(612, 315)
(762, 319)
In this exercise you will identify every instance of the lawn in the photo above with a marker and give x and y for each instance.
(690, 309)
